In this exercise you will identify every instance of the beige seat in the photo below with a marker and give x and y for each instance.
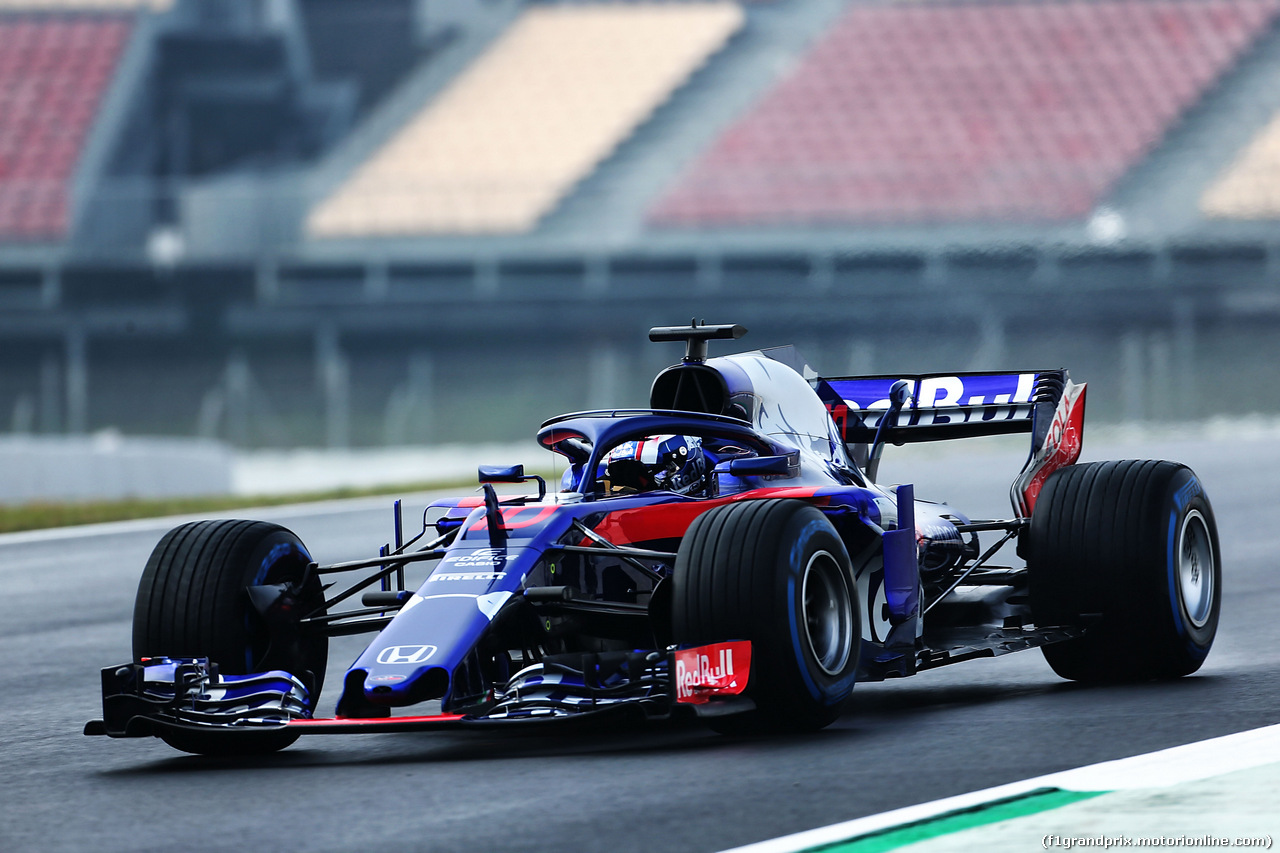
(530, 118)
(1250, 186)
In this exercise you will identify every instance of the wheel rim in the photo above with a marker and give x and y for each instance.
(828, 612)
(1195, 569)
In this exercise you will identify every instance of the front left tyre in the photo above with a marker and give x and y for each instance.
(193, 601)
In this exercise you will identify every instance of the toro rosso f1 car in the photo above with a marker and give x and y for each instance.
(726, 553)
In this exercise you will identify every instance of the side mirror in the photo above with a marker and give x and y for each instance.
(511, 474)
(766, 466)
(502, 474)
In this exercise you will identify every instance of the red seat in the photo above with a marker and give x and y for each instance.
(971, 111)
(54, 69)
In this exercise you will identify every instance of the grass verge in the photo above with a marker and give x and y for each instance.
(36, 516)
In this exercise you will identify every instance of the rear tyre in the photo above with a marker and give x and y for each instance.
(1135, 543)
(192, 602)
(776, 573)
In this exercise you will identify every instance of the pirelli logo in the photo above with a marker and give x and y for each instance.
(1188, 493)
(445, 577)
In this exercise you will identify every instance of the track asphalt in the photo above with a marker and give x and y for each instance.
(66, 599)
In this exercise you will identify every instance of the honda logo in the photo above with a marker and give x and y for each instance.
(393, 655)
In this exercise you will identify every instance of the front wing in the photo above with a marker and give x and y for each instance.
(156, 695)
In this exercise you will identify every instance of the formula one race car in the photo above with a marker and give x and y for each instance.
(725, 553)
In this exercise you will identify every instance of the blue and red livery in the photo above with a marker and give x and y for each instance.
(725, 552)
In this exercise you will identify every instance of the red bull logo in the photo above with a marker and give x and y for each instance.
(721, 669)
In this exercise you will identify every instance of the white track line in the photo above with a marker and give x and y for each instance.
(1174, 766)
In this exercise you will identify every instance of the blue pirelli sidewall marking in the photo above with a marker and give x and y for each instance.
(1172, 570)
(1181, 498)
(831, 696)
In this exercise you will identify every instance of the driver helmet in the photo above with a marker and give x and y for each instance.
(673, 463)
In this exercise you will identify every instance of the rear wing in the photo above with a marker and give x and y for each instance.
(943, 406)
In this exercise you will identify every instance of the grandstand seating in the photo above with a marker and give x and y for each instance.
(1250, 186)
(971, 111)
(515, 131)
(82, 5)
(54, 69)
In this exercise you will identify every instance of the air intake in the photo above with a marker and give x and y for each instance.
(690, 387)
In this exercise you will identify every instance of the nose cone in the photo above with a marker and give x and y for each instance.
(424, 683)
(417, 655)
(414, 658)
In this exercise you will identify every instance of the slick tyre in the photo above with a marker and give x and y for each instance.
(776, 573)
(1129, 550)
(193, 602)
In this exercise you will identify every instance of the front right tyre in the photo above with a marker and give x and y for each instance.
(193, 601)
